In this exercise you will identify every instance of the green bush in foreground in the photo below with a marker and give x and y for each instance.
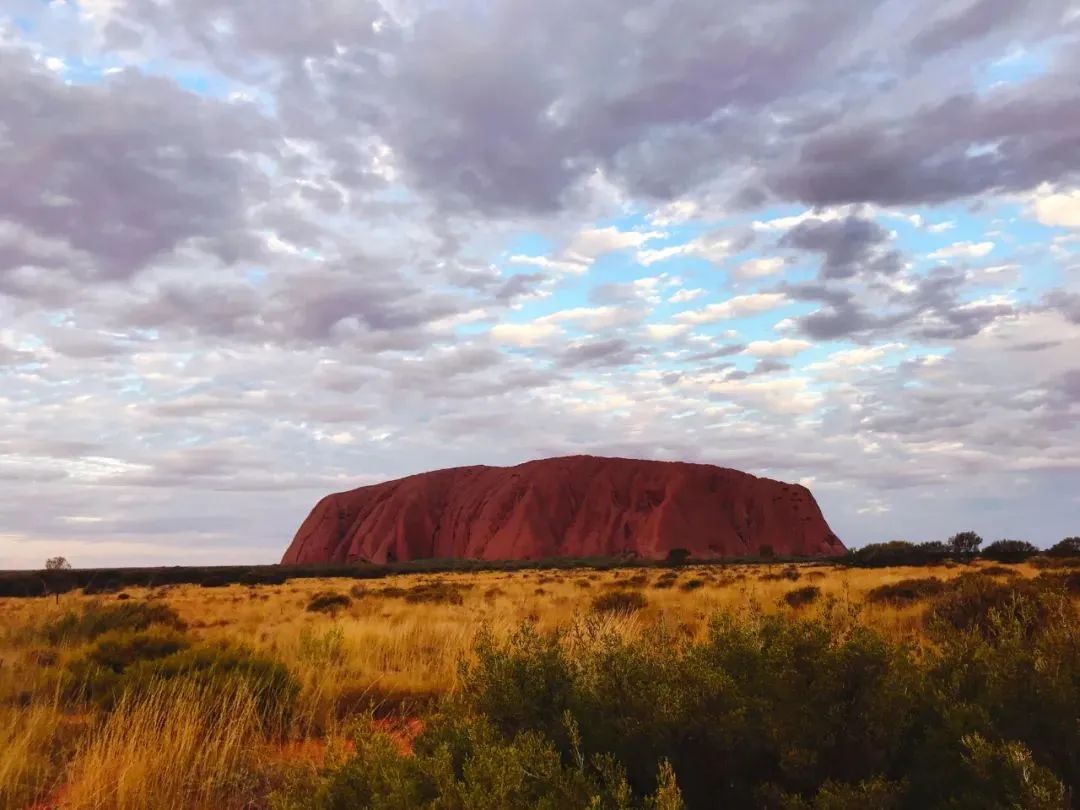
(763, 712)
(97, 618)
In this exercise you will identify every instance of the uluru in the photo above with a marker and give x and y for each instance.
(578, 506)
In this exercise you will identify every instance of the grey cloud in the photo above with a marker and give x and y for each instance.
(117, 173)
(600, 353)
(847, 246)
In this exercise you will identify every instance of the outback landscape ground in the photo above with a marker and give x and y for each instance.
(756, 685)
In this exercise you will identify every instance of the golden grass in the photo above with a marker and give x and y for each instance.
(175, 746)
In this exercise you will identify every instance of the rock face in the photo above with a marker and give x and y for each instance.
(580, 506)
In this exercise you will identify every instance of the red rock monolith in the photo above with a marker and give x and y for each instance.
(579, 506)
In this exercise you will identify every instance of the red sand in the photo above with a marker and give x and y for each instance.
(579, 506)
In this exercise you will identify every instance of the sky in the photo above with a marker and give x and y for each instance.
(255, 251)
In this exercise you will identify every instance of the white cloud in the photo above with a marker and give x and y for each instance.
(963, 250)
(674, 212)
(592, 243)
(711, 247)
(666, 331)
(784, 347)
(524, 334)
(838, 364)
(556, 265)
(941, 227)
(758, 268)
(684, 295)
(1060, 210)
(594, 317)
(738, 307)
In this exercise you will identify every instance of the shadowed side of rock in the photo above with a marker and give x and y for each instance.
(579, 506)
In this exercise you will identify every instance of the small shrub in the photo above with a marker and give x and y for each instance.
(692, 584)
(328, 602)
(974, 602)
(906, 591)
(98, 618)
(666, 580)
(625, 602)
(800, 597)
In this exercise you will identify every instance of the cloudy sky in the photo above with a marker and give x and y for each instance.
(252, 252)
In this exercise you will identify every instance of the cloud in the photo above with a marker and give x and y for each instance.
(524, 334)
(1060, 209)
(848, 246)
(737, 307)
(963, 250)
(784, 347)
(759, 268)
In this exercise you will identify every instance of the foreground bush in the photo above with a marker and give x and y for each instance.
(227, 669)
(98, 674)
(97, 618)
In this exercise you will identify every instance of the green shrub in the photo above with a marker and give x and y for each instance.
(666, 580)
(1009, 551)
(619, 602)
(463, 762)
(1069, 547)
(328, 602)
(975, 602)
(998, 571)
(906, 591)
(899, 552)
(224, 667)
(96, 676)
(800, 597)
(97, 618)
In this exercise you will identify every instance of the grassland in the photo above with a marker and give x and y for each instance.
(359, 657)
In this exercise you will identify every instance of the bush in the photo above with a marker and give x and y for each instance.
(328, 602)
(96, 676)
(223, 667)
(800, 597)
(906, 591)
(978, 603)
(692, 584)
(619, 602)
(899, 552)
(1069, 547)
(463, 762)
(1009, 550)
(97, 618)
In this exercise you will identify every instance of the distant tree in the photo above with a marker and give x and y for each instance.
(1069, 547)
(1009, 550)
(766, 552)
(57, 564)
(965, 544)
